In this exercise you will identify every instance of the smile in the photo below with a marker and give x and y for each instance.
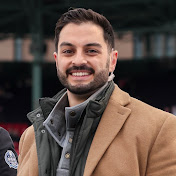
(80, 74)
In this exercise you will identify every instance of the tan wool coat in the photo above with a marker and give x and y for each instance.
(132, 139)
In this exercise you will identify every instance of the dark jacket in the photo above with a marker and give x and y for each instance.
(8, 155)
(48, 151)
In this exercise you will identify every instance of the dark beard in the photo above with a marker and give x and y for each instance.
(100, 79)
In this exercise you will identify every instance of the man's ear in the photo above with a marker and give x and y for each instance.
(113, 60)
(55, 57)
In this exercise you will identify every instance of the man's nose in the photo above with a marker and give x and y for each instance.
(79, 59)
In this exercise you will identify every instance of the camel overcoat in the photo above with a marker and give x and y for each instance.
(132, 139)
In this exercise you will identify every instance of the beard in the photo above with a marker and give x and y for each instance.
(100, 79)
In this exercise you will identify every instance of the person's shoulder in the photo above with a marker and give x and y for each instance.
(28, 136)
(3, 131)
(28, 133)
(8, 154)
(144, 107)
(150, 116)
(140, 110)
(4, 136)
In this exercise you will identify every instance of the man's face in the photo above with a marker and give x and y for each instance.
(83, 60)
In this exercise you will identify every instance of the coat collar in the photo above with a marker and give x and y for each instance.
(111, 122)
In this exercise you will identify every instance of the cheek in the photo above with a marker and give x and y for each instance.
(62, 66)
(104, 64)
(98, 64)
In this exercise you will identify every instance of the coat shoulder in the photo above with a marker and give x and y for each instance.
(143, 117)
(27, 139)
(148, 111)
(28, 162)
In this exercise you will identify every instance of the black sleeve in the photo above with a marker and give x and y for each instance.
(8, 155)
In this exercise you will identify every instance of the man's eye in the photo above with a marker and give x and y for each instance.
(92, 51)
(67, 51)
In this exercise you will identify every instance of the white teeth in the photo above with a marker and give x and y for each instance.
(80, 74)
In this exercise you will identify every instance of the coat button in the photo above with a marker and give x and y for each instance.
(42, 131)
(67, 155)
(72, 113)
(38, 115)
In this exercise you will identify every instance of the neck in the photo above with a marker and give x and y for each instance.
(75, 99)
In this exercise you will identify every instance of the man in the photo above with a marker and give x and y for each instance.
(8, 155)
(93, 128)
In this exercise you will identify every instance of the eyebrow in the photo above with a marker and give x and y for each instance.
(94, 44)
(66, 44)
(89, 44)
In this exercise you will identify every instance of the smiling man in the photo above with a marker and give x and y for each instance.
(83, 65)
(92, 128)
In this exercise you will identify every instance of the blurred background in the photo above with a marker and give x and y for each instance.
(145, 39)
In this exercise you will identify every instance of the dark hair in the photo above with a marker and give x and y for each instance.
(80, 15)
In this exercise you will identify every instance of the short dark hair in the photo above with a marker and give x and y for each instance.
(80, 15)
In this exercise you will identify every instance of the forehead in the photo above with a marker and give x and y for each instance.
(81, 34)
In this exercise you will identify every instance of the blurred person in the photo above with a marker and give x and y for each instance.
(8, 155)
(92, 127)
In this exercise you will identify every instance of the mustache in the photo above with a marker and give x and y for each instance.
(81, 67)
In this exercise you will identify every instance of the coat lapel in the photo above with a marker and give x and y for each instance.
(111, 122)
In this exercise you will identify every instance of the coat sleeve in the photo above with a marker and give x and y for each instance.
(8, 155)
(28, 161)
(162, 158)
(20, 157)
